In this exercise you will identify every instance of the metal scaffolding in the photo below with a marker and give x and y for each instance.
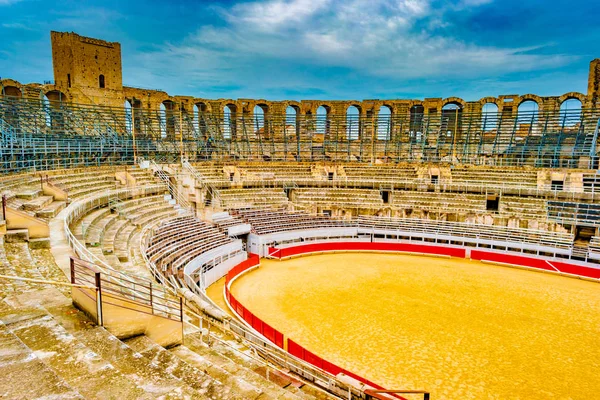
(51, 134)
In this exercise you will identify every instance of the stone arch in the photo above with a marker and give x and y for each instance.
(491, 100)
(384, 122)
(56, 96)
(353, 116)
(322, 114)
(454, 100)
(230, 110)
(489, 116)
(451, 117)
(571, 112)
(259, 120)
(416, 116)
(573, 95)
(128, 107)
(11, 91)
(530, 97)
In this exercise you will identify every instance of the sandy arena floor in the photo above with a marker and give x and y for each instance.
(461, 329)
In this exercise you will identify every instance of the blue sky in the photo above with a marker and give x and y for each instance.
(325, 49)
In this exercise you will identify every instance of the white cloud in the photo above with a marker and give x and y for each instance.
(8, 2)
(17, 25)
(387, 39)
(275, 14)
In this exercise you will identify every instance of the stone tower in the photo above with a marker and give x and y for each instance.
(594, 84)
(88, 69)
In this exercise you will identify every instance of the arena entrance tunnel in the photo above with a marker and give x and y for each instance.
(281, 339)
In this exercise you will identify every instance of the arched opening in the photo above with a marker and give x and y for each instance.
(353, 123)
(416, 122)
(162, 120)
(384, 123)
(451, 118)
(570, 112)
(291, 121)
(322, 120)
(11, 91)
(101, 82)
(527, 112)
(47, 111)
(229, 117)
(489, 117)
(54, 112)
(128, 117)
(56, 97)
(200, 122)
(259, 120)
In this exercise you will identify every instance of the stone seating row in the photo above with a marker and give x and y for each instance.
(442, 202)
(360, 198)
(468, 230)
(266, 221)
(230, 198)
(179, 241)
(83, 360)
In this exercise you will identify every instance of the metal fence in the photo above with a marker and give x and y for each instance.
(34, 129)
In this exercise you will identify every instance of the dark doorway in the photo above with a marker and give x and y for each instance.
(492, 202)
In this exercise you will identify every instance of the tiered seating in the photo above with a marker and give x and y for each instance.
(594, 248)
(380, 173)
(495, 176)
(24, 192)
(83, 360)
(441, 202)
(276, 172)
(112, 231)
(523, 207)
(256, 197)
(271, 221)
(179, 241)
(433, 228)
(210, 172)
(227, 221)
(337, 197)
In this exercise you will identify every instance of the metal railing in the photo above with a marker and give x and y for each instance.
(551, 139)
(125, 291)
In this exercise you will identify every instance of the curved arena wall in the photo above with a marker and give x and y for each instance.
(278, 338)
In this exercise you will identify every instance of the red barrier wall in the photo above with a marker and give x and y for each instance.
(298, 351)
(369, 246)
(538, 263)
(261, 327)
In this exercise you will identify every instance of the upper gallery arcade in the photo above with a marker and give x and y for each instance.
(88, 71)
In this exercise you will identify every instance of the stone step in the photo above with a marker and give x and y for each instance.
(17, 254)
(46, 265)
(94, 236)
(51, 210)
(196, 378)
(25, 376)
(79, 366)
(38, 203)
(110, 236)
(238, 364)
(29, 194)
(240, 354)
(235, 386)
(154, 377)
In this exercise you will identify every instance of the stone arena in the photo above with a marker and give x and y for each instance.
(161, 246)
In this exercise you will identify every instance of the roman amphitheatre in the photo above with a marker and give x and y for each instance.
(160, 246)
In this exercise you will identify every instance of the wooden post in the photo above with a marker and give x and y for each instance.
(4, 207)
(98, 299)
(72, 264)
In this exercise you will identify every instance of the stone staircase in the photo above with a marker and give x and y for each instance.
(52, 350)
